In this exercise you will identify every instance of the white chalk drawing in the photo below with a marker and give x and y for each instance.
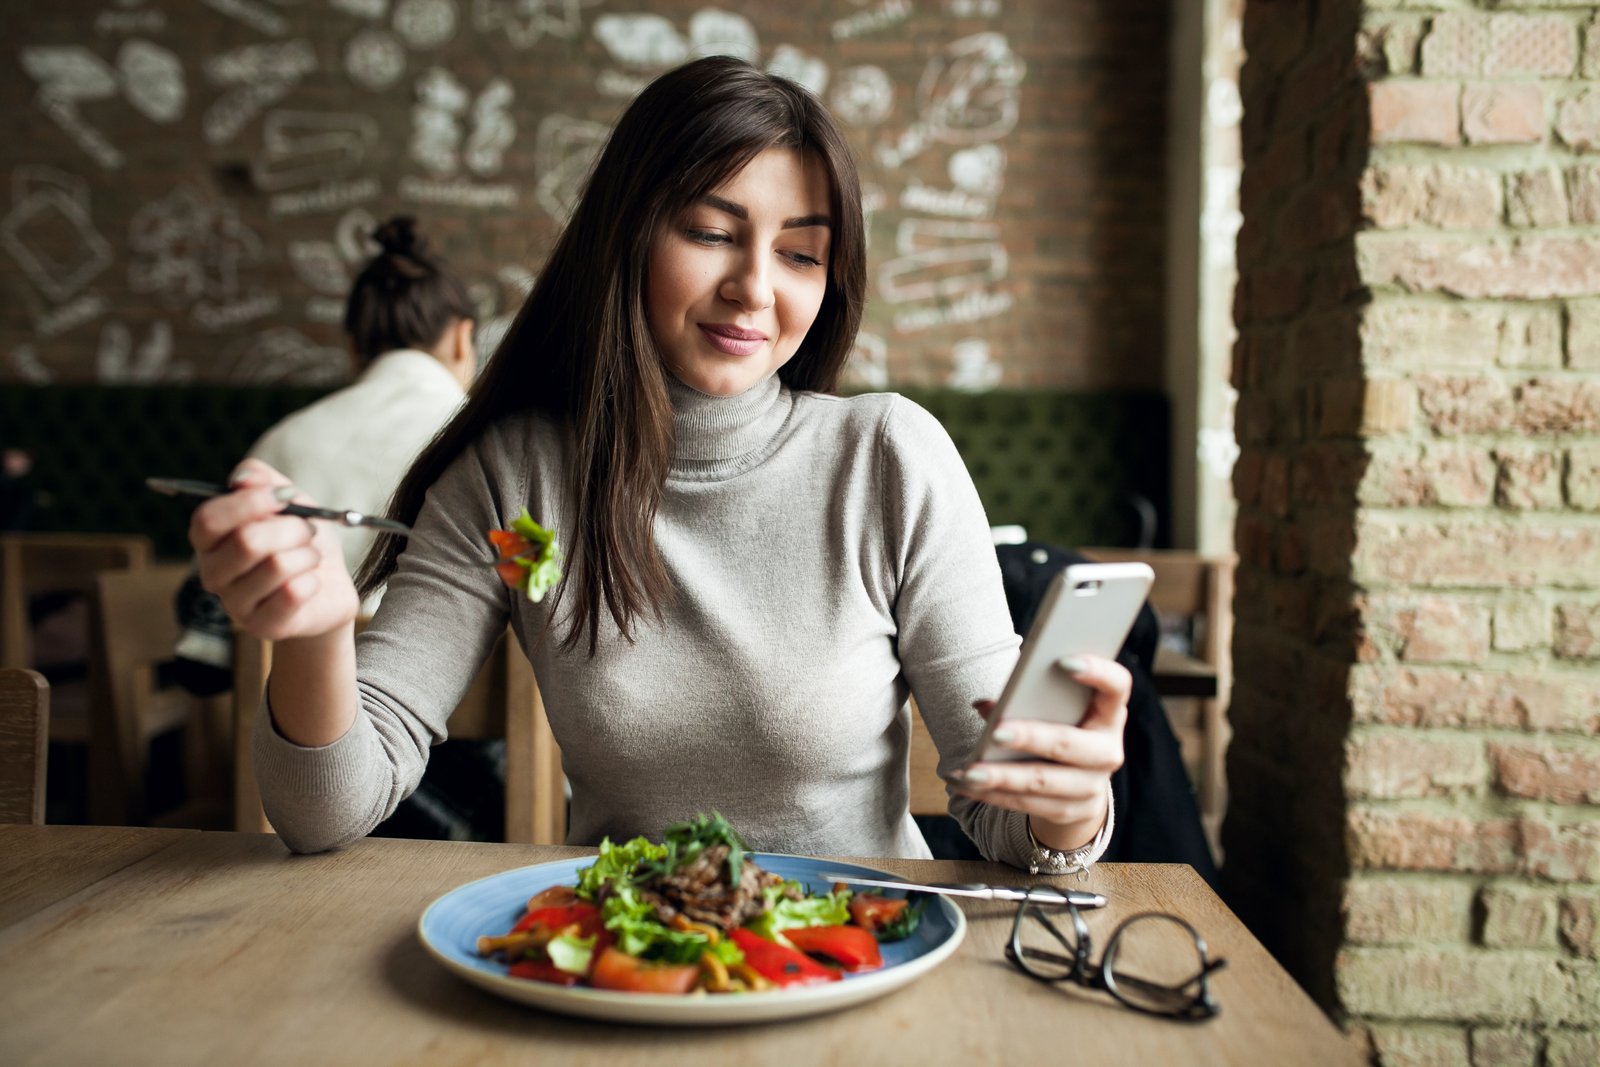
(331, 196)
(642, 40)
(49, 233)
(941, 259)
(301, 147)
(457, 192)
(152, 80)
(68, 75)
(185, 248)
(253, 13)
(563, 154)
(74, 313)
(231, 314)
(967, 95)
(980, 169)
(970, 307)
(374, 58)
(524, 22)
(497, 305)
(972, 367)
(283, 355)
(973, 9)
(723, 33)
(425, 23)
(260, 76)
(319, 265)
(352, 236)
(436, 121)
(493, 129)
(808, 70)
(977, 174)
(371, 10)
(611, 82)
(109, 22)
(862, 96)
(868, 366)
(879, 16)
(25, 361)
(117, 363)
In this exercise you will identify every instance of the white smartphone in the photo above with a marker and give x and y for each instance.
(1088, 607)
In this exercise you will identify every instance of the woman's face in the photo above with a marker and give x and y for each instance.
(736, 280)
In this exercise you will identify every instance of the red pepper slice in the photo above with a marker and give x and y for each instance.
(851, 947)
(780, 964)
(585, 915)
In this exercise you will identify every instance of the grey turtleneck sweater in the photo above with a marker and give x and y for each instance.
(829, 556)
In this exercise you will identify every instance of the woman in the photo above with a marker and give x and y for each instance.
(758, 571)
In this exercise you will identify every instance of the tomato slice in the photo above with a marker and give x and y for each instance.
(872, 912)
(616, 970)
(543, 971)
(780, 964)
(851, 947)
(509, 543)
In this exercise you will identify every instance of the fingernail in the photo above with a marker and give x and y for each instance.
(975, 776)
(1005, 735)
(285, 493)
(1073, 664)
(238, 474)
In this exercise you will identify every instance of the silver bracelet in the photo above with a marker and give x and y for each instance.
(1044, 860)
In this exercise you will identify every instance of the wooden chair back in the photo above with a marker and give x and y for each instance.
(135, 630)
(1198, 587)
(33, 563)
(24, 732)
(503, 701)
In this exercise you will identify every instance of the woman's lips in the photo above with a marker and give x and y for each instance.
(732, 340)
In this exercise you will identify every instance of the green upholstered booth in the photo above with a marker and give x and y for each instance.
(1073, 469)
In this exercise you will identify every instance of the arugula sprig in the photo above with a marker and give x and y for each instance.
(685, 841)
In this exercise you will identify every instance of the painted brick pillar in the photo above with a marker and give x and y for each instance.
(1414, 824)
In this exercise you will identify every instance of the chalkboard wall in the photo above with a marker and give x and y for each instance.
(190, 181)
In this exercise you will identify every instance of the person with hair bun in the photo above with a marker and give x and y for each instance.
(759, 572)
(409, 325)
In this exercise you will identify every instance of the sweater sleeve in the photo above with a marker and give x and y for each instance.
(439, 619)
(954, 635)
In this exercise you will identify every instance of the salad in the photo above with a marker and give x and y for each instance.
(695, 914)
(529, 559)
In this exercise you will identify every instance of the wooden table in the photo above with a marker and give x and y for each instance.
(141, 946)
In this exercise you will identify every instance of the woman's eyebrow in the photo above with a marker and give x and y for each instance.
(739, 211)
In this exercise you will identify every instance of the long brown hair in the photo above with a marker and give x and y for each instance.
(580, 350)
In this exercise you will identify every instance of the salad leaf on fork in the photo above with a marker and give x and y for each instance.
(529, 557)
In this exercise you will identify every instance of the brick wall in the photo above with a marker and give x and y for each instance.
(186, 181)
(1415, 771)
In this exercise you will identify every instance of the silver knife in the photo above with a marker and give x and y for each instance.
(1037, 894)
(189, 487)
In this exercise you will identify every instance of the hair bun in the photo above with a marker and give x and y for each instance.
(398, 236)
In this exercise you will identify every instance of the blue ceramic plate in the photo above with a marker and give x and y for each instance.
(451, 925)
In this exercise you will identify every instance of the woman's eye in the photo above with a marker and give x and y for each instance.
(706, 237)
(803, 259)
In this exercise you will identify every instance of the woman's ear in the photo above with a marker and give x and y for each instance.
(459, 352)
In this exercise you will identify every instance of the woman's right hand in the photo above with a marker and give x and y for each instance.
(278, 576)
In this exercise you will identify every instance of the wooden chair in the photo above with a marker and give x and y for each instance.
(34, 563)
(135, 630)
(1196, 589)
(24, 733)
(503, 701)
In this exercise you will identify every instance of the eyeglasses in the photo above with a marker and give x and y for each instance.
(1154, 962)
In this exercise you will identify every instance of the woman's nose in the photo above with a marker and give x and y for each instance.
(748, 284)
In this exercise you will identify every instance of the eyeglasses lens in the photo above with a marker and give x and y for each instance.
(1042, 953)
(1155, 963)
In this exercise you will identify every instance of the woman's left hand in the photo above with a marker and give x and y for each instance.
(1065, 790)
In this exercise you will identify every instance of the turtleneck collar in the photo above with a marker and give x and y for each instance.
(718, 436)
